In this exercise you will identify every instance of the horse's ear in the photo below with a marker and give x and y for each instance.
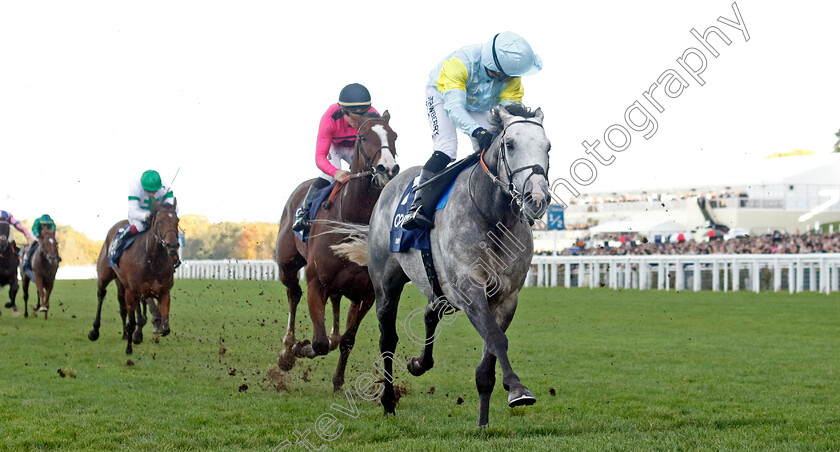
(386, 116)
(503, 114)
(538, 115)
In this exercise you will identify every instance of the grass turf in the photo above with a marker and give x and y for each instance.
(612, 370)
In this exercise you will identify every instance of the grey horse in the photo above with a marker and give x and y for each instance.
(482, 248)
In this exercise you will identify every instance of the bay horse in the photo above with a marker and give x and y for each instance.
(327, 275)
(481, 246)
(146, 272)
(44, 265)
(8, 265)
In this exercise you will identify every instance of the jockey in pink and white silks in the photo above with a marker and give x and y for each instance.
(7, 217)
(336, 143)
(461, 91)
(141, 193)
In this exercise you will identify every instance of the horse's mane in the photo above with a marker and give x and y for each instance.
(162, 206)
(516, 109)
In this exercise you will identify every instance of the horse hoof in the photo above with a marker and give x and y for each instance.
(17, 314)
(165, 332)
(337, 384)
(93, 335)
(298, 348)
(414, 367)
(321, 348)
(521, 396)
(137, 338)
(286, 361)
(43, 309)
(9, 304)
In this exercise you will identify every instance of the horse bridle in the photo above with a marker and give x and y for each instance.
(170, 250)
(374, 170)
(510, 189)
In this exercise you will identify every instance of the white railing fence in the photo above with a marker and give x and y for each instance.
(716, 272)
(228, 269)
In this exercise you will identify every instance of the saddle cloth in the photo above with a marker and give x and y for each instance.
(403, 240)
(319, 198)
(114, 261)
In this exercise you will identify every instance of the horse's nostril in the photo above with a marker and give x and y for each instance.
(380, 168)
(396, 170)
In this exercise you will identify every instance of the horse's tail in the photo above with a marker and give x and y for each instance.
(355, 247)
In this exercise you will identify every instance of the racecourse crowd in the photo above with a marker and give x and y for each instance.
(652, 197)
(775, 243)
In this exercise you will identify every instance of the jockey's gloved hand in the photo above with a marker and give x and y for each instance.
(483, 138)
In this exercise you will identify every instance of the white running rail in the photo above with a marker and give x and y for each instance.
(716, 272)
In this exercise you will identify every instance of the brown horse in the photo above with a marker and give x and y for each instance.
(8, 265)
(44, 266)
(328, 276)
(146, 272)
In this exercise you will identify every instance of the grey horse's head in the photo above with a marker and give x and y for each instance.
(521, 159)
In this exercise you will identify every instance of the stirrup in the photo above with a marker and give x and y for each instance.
(301, 221)
(416, 220)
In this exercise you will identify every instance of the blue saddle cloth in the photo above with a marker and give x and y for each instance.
(114, 260)
(403, 240)
(319, 198)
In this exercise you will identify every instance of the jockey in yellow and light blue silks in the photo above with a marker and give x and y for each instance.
(461, 91)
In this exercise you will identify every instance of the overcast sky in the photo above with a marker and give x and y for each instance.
(94, 93)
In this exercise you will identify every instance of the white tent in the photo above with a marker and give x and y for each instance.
(645, 228)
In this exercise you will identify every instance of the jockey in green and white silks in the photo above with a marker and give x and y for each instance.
(461, 91)
(44, 222)
(141, 193)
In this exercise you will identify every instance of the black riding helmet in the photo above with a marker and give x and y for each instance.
(354, 98)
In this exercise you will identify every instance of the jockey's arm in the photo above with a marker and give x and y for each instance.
(326, 130)
(452, 83)
(137, 214)
(23, 230)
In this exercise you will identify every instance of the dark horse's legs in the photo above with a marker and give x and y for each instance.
(101, 290)
(25, 280)
(348, 340)
(123, 309)
(316, 297)
(289, 278)
(335, 333)
(132, 305)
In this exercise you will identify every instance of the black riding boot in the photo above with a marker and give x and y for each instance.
(115, 250)
(417, 217)
(27, 256)
(302, 214)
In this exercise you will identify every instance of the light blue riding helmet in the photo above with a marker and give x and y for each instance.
(511, 54)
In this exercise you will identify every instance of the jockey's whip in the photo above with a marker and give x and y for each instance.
(173, 178)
